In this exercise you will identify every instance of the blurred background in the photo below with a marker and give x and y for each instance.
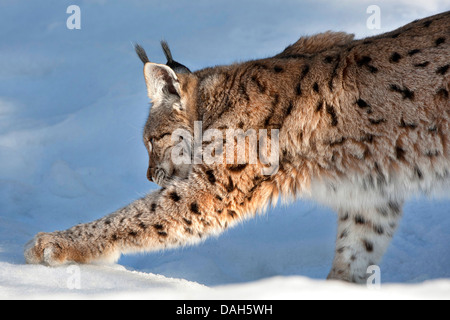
(73, 105)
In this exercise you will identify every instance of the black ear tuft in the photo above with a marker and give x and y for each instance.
(174, 65)
(166, 49)
(141, 53)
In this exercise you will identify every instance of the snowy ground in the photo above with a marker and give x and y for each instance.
(72, 107)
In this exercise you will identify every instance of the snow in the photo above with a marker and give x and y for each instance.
(72, 108)
(116, 282)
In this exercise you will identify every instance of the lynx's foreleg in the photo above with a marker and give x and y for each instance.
(183, 213)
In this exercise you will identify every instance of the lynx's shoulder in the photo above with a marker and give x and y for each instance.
(316, 44)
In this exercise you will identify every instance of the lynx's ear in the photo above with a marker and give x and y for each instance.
(162, 82)
(176, 66)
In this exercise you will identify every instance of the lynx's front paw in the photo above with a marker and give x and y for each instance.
(47, 249)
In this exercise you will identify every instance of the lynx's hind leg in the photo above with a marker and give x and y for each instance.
(362, 238)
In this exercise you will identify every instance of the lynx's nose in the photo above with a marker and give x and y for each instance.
(150, 172)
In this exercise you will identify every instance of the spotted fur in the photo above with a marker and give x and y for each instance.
(363, 125)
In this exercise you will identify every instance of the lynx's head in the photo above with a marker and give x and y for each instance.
(169, 88)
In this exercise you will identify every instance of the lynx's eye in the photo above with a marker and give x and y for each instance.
(150, 146)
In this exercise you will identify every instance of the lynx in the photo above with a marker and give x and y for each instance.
(363, 125)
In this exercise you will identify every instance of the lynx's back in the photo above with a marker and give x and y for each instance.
(372, 115)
